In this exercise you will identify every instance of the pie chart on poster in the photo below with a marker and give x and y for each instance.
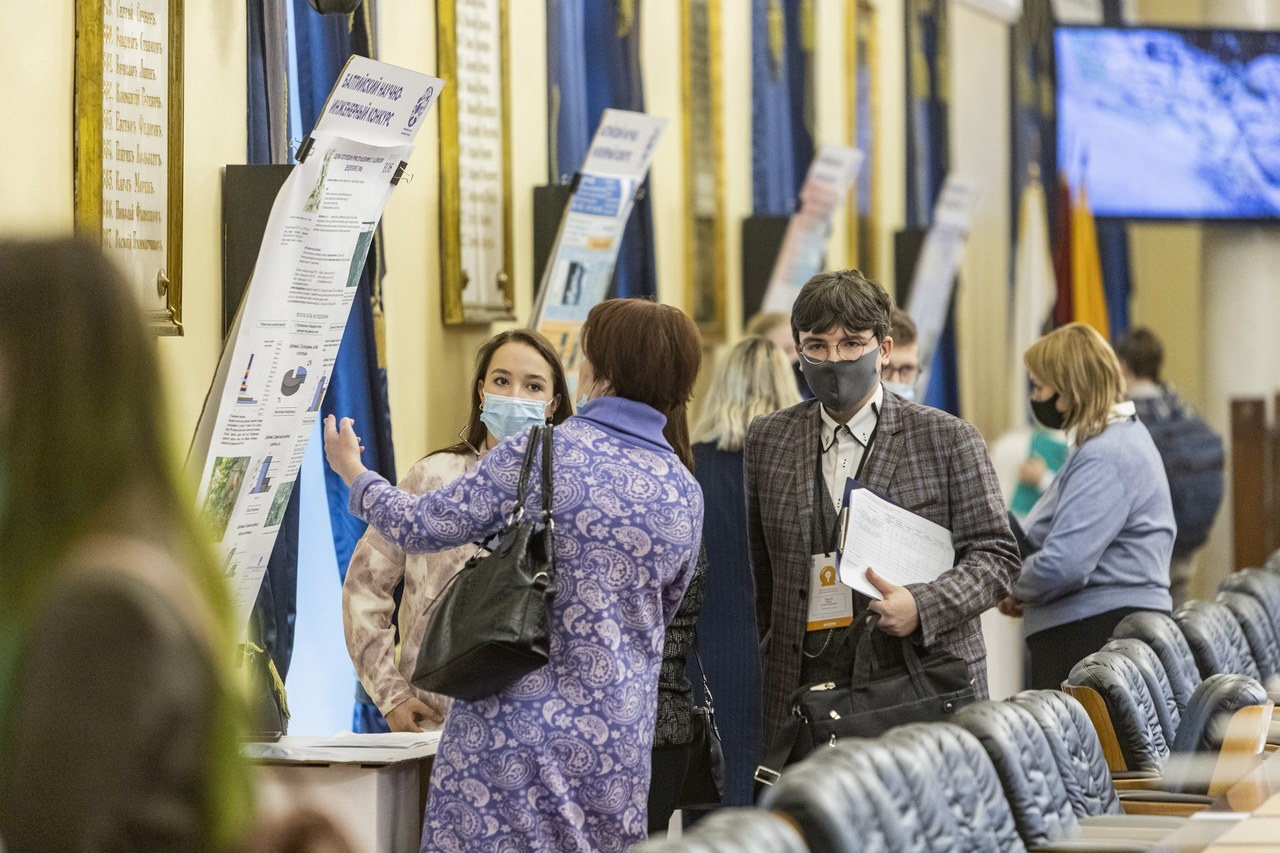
(293, 381)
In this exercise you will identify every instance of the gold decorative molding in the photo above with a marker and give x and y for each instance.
(454, 278)
(91, 153)
(705, 265)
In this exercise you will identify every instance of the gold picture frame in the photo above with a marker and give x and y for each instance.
(862, 52)
(99, 52)
(455, 278)
(704, 169)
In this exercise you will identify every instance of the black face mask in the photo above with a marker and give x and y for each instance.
(839, 385)
(802, 384)
(1047, 413)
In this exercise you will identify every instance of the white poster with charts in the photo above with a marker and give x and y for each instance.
(279, 356)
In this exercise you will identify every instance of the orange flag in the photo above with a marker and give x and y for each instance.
(1088, 296)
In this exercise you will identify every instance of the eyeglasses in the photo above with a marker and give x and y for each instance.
(904, 373)
(816, 352)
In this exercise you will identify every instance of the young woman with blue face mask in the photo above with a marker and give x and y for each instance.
(519, 381)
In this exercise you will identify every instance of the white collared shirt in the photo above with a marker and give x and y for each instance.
(844, 444)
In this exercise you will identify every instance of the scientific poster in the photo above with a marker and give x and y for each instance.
(804, 247)
(581, 265)
(266, 395)
(938, 266)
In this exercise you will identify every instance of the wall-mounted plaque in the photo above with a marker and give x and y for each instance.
(862, 69)
(128, 151)
(704, 166)
(475, 161)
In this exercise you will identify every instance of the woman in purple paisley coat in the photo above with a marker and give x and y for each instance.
(560, 761)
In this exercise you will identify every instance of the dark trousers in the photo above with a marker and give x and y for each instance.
(670, 765)
(1054, 651)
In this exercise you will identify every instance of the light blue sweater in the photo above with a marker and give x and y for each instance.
(1103, 532)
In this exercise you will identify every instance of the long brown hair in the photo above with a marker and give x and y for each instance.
(84, 431)
(649, 353)
(475, 432)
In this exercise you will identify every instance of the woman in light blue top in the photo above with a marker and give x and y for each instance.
(1098, 542)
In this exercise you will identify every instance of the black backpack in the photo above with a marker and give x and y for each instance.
(1193, 461)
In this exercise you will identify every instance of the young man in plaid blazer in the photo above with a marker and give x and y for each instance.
(797, 462)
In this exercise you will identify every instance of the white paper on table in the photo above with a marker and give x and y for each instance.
(902, 547)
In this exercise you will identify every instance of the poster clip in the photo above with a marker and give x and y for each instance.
(400, 175)
(304, 148)
(573, 184)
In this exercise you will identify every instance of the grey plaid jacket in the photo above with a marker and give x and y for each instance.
(923, 459)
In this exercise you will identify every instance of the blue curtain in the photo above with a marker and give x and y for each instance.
(593, 63)
(358, 385)
(276, 608)
(1113, 251)
(928, 160)
(781, 132)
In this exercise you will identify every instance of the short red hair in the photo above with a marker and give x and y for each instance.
(649, 353)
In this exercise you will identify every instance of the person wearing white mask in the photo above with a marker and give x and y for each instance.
(903, 370)
(519, 381)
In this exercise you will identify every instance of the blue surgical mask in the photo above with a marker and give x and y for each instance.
(506, 416)
(905, 390)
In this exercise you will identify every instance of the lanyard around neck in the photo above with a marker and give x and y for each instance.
(820, 490)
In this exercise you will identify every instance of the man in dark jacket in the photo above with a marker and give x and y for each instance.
(797, 463)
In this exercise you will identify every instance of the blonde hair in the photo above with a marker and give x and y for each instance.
(1079, 364)
(751, 379)
(765, 322)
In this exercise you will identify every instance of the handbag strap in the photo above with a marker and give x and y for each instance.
(853, 652)
(770, 770)
(547, 432)
(523, 485)
(857, 642)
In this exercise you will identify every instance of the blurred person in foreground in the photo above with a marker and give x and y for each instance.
(119, 729)
(1099, 540)
(752, 379)
(518, 382)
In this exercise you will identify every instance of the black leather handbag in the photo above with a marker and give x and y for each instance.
(925, 688)
(492, 626)
(704, 779)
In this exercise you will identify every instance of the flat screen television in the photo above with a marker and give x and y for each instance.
(1171, 123)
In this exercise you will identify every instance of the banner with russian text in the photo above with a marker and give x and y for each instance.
(586, 248)
(280, 354)
(804, 247)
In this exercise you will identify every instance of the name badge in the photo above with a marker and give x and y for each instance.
(830, 602)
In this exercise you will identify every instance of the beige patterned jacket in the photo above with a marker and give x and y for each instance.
(367, 604)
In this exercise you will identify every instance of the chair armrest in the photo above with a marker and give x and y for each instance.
(1164, 797)
(1091, 845)
(1144, 782)
(1140, 807)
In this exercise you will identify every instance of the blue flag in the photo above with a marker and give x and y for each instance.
(781, 135)
(358, 384)
(593, 64)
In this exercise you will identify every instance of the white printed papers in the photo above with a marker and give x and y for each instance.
(274, 371)
(938, 265)
(804, 247)
(899, 545)
(581, 265)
